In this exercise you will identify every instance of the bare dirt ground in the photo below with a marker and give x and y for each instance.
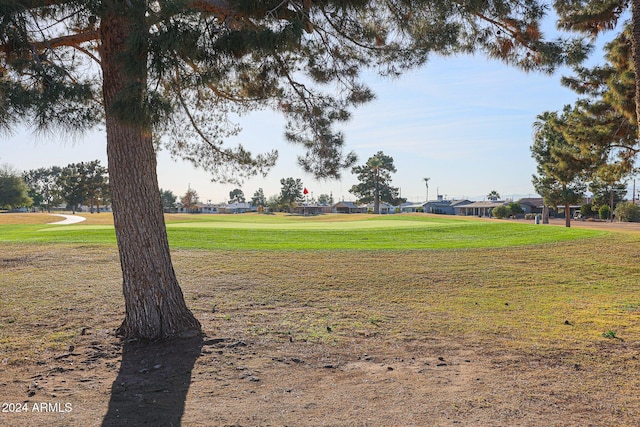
(230, 381)
(234, 378)
(633, 227)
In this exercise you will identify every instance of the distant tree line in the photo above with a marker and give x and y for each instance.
(87, 183)
(292, 193)
(84, 183)
(13, 189)
(374, 187)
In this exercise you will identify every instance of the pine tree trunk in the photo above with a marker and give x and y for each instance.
(567, 215)
(611, 203)
(155, 306)
(635, 43)
(376, 194)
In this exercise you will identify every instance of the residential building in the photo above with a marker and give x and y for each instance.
(442, 206)
(385, 208)
(348, 208)
(483, 208)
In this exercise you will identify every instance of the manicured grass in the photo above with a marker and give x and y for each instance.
(325, 232)
(563, 296)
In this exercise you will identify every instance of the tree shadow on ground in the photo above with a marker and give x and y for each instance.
(152, 384)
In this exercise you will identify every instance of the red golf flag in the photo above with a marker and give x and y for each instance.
(305, 190)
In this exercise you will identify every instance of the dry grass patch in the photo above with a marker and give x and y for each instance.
(543, 296)
(27, 218)
(51, 292)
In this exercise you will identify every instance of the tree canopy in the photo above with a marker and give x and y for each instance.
(601, 128)
(259, 198)
(560, 165)
(493, 195)
(13, 190)
(77, 183)
(291, 191)
(236, 196)
(168, 199)
(593, 17)
(44, 187)
(375, 182)
(81, 182)
(190, 200)
(206, 61)
(603, 121)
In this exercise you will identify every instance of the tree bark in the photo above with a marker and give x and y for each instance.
(611, 203)
(376, 192)
(545, 214)
(155, 305)
(635, 44)
(567, 215)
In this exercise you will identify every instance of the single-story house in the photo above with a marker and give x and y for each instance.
(531, 205)
(311, 209)
(198, 208)
(478, 208)
(208, 208)
(409, 207)
(441, 206)
(385, 208)
(182, 209)
(348, 208)
(237, 208)
(534, 205)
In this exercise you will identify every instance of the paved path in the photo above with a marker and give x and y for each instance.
(68, 219)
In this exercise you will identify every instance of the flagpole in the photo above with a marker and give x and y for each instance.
(306, 201)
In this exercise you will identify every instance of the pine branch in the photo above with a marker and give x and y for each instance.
(36, 4)
(222, 94)
(202, 135)
(220, 8)
(71, 40)
(225, 9)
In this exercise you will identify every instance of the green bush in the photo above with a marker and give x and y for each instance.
(515, 208)
(586, 210)
(627, 212)
(604, 212)
(500, 212)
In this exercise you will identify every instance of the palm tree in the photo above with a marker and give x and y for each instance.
(426, 183)
(493, 196)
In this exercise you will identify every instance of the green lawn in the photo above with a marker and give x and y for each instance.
(280, 232)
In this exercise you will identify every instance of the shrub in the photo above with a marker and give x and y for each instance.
(604, 212)
(586, 210)
(515, 208)
(500, 212)
(627, 212)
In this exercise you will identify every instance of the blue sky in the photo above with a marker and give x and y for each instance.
(465, 122)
